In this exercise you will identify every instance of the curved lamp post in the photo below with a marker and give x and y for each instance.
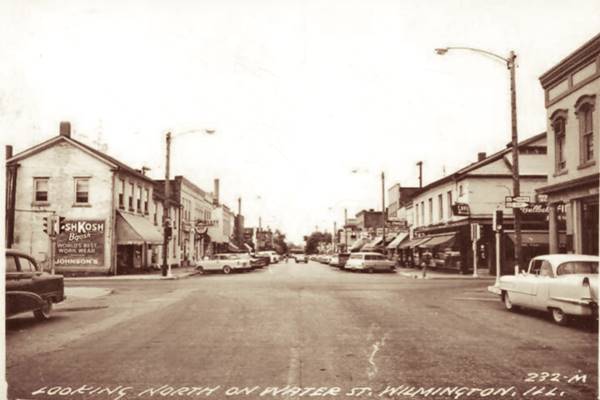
(511, 65)
(167, 229)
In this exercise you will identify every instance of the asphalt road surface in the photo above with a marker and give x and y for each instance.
(276, 333)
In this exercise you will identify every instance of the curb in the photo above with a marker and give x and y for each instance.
(448, 277)
(131, 278)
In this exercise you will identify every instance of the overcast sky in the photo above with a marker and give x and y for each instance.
(300, 92)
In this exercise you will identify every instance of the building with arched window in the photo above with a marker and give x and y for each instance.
(572, 96)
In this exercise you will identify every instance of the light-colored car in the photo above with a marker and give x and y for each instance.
(273, 256)
(565, 285)
(301, 258)
(226, 263)
(369, 262)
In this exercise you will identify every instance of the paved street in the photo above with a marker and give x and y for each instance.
(304, 325)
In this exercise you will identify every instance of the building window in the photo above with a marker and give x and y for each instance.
(138, 204)
(449, 196)
(559, 122)
(131, 194)
(422, 213)
(40, 187)
(146, 200)
(416, 214)
(460, 190)
(584, 109)
(440, 207)
(82, 190)
(121, 193)
(430, 211)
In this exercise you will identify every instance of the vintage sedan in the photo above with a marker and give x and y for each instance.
(225, 263)
(28, 288)
(565, 285)
(369, 262)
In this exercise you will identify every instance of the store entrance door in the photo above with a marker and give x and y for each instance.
(589, 226)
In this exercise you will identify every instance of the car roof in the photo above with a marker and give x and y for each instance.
(561, 258)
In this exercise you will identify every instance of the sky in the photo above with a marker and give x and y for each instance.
(310, 100)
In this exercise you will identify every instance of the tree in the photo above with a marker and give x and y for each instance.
(312, 241)
(279, 243)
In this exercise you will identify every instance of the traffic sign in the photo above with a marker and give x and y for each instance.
(516, 204)
(518, 199)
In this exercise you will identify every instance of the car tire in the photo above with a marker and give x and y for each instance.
(370, 270)
(200, 270)
(559, 316)
(226, 269)
(508, 304)
(43, 313)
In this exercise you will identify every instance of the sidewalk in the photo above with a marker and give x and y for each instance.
(417, 273)
(176, 273)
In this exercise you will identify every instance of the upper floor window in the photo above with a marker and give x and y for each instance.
(146, 200)
(121, 193)
(139, 199)
(82, 190)
(416, 216)
(430, 204)
(460, 190)
(449, 209)
(131, 194)
(584, 109)
(422, 213)
(440, 207)
(40, 187)
(559, 123)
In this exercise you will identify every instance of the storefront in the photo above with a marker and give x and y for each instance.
(392, 247)
(137, 241)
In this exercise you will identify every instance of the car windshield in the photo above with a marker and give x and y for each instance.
(577, 267)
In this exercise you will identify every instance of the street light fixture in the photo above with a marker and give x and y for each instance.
(510, 62)
(167, 226)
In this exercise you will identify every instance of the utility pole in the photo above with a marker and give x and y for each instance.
(345, 229)
(334, 236)
(511, 64)
(383, 213)
(166, 267)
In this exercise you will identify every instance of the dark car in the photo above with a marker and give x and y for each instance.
(28, 288)
(340, 260)
(264, 259)
(259, 262)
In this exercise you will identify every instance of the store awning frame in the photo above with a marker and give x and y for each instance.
(414, 242)
(136, 230)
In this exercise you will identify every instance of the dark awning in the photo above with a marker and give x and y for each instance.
(397, 240)
(135, 229)
(373, 244)
(440, 240)
(414, 242)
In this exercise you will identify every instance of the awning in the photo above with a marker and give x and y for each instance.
(134, 229)
(358, 244)
(397, 240)
(414, 242)
(441, 240)
(373, 244)
(248, 247)
(232, 247)
(537, 238)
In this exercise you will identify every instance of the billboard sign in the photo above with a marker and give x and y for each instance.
(80, 243)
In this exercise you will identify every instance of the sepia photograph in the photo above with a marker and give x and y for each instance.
(300, 199)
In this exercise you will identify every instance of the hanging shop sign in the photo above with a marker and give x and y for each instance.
(80, 243)
(461, 209)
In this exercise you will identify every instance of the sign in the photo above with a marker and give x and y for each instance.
(475, 232)
(80, 243)
(516, 204)
(205, 223)
(541, 198)
(461, 209)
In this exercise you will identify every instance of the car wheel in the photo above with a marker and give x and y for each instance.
(200, 270)
(559, 316)
(44, 313)
(508, 302)
(370, 270)
(227, 269)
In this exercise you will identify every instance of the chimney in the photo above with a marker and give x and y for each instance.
(9, 151)
(65, 129)
(239, 206)
(481, 156)
(216, 192)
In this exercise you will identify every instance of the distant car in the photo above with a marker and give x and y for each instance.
(301, 258)
(28, 288)
(226, 263)
(565, 285)
(259, 262)
(334, 260)
(369, 262)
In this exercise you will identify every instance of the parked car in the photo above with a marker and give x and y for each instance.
(565, 285)
(28, 288)
(259, 262)
(226, 263)
(339, 260)
(264, 258)
(369, 262)
(301, 258)
(273, 256)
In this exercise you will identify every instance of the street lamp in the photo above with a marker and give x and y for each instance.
(167, 230)
(511, 65)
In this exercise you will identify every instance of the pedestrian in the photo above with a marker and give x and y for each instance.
(426, 260)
